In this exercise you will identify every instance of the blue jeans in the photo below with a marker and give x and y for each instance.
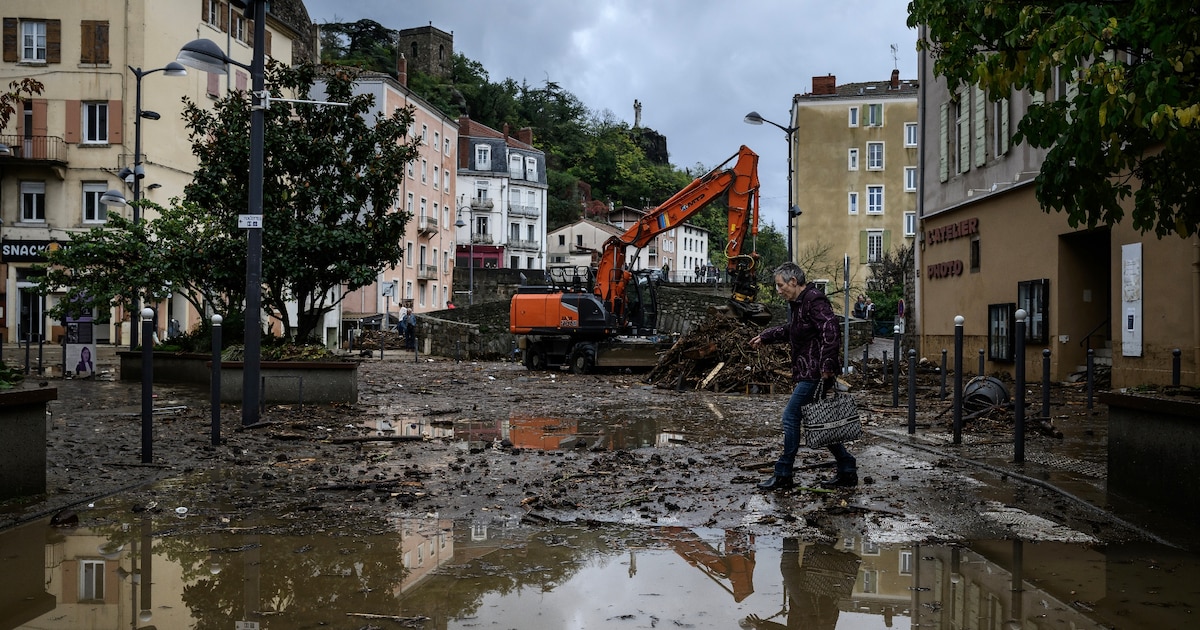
(803, 394)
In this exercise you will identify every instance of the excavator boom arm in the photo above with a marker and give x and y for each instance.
(739, 183)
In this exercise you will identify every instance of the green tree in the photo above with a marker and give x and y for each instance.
(364, 44)
(330, 180)
(184, 250)
(889, 276)
(18, 90)
(1128, 127)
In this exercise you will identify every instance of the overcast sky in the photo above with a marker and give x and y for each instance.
(697, 66)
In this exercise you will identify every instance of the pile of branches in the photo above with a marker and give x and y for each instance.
(372, 339)
(716, 356)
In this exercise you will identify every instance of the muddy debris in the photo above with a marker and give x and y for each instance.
(716, 356)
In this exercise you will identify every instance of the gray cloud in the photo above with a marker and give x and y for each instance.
(697, 66)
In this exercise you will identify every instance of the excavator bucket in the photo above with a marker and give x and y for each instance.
(753, 312)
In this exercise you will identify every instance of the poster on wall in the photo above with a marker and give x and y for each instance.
(80, 347)
(1131, 300)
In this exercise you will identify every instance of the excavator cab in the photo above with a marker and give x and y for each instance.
(641, 304)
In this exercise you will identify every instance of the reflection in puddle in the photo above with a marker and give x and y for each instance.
(121, 570)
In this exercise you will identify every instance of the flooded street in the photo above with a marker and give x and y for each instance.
(193, 570)
(486, 496)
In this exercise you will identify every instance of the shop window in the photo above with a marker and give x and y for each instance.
(1000, 327)
(1033, 296)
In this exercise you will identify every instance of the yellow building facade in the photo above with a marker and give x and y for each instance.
(67, 145)
(854, 175)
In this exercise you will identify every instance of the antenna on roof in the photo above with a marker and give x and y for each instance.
(895, 57)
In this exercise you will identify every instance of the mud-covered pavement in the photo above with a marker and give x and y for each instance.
(465, 440)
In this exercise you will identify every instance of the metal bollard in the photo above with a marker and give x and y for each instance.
(1175, 367)
(956, 406)
(1019, 391)
(1046, 384)
(215, 388)
(416, 347)
(866, 355)
(896, 365)
(942, 391)
(147, 385)
(912, 391)
(458, 351)
(981, 363)
(883, 370)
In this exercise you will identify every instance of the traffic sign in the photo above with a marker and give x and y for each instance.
(250, 221)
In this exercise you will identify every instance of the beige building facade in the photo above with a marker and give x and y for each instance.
(987, 249)
(855, 172)
(68, 144)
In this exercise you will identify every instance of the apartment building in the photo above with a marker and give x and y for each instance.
(855, 170)
(501, 198)
(986, 249)
(423, 280)
(66, 146)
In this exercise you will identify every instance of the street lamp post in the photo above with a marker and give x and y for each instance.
(204, 54)
(470, 250)
(114, 197)
(475, 205)
(753, 118)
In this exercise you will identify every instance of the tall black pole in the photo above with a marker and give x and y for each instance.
(135, 307)
(253, 348)
(956, 405)
(790, 131)
(147, 388)
(215, 379)
(1019, 391)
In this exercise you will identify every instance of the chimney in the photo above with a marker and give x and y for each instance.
(896, 79)
(464, 141)
(505, 130)
(525, 134)
(824, 85)
(402, 70)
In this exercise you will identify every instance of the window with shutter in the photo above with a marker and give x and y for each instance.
(963, 131)
(93, 42)
(944, 142)
(980, 125)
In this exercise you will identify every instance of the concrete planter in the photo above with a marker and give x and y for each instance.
(169, 367)
(283, 381)
(23, 449)
(1154, 451)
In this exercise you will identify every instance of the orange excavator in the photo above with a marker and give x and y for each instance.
(607, 316)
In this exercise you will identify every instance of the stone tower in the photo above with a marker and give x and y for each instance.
(428, 49)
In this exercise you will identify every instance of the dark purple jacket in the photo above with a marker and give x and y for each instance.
(814, 333)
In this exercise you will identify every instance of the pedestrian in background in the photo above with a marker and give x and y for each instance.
(813, 332)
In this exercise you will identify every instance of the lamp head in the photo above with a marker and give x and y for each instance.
(149, 115)
(206, 55)
(460, 222)
(175, 69)
(5, 150)
(113, 199)
(794, 211)
(753, 119)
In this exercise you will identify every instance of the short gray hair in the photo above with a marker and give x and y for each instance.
(790, 271)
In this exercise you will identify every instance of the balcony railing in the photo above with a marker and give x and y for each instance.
(532, 212)
(520, 244)
(481, 239)
(427, 272)
(38, 148)
(427, 224)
